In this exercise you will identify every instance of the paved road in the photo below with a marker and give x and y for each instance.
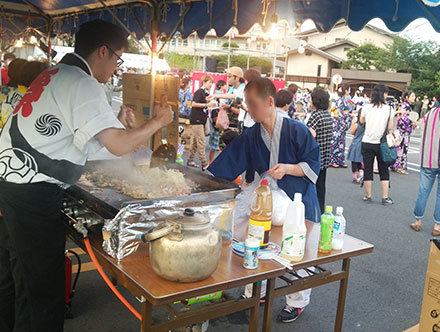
(385, 288)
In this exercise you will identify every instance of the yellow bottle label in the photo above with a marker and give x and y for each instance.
(260, 230)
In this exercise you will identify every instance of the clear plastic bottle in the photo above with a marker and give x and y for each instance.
(294, 231)
(260, 220)
(339, 229)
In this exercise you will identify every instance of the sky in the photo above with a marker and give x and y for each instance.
(418, 30)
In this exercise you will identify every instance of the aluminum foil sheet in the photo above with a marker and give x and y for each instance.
(122, 234)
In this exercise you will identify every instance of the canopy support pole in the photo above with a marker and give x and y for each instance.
(155, 22)
(49, 42)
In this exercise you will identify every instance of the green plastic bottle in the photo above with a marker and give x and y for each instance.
(327, 223)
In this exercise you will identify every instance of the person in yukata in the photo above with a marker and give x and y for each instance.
(341, 123)
(405, 126)
(287, 151)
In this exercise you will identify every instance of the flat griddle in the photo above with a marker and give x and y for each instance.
(107, 201)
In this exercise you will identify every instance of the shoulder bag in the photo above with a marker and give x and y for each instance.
(388, 153)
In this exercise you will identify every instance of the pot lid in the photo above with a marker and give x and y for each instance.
(193, 219)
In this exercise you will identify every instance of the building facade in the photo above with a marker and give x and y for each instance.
(315, 63)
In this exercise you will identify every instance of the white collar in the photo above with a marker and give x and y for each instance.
(273, 143)
(85, 62)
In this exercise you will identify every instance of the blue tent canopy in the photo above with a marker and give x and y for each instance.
(396, 14)
(187, 16)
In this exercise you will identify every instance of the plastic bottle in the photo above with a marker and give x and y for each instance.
(339, 229)
(260, 220)
(294, 231)
(327, 223)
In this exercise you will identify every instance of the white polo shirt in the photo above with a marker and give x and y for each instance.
(52, 129)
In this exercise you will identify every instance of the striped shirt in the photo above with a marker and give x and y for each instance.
(430, 143)
(321, 122)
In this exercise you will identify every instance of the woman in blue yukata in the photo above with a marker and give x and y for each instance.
(286, 150)
(341, 123)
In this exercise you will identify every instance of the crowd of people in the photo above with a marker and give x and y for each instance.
(329, 117)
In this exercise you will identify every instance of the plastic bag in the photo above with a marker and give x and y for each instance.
(222, 121)
(280, 201)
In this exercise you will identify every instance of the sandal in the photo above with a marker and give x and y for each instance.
(402, 171)
(344, 166)
(415, 227)
(192, 164)
(334, 165)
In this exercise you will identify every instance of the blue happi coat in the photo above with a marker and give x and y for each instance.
(297, 146)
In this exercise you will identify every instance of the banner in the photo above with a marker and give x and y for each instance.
(197, 76)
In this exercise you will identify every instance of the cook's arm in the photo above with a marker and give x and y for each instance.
(120, 141)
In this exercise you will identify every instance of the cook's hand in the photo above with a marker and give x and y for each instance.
(126, 116)
(278, 171)
(163, 114)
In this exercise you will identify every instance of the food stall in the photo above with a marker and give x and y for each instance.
(89, 204)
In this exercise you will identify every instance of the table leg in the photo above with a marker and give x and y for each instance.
(342, 295)
(147, 317)
(253, 318)
(268, 305)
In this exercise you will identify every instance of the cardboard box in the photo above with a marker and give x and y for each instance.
(136, 94)
(430, 314)
(413, 329)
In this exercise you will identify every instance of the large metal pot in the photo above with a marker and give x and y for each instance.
(187, 249)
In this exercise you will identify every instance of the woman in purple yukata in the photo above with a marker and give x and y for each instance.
(341, 123)
(287, 151)
(405, 127)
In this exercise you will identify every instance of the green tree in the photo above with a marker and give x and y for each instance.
(180, 61)
(366, 57)
(233, 45)
(421, 59)
(241, 61)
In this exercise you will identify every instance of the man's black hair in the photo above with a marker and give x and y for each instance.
(94, 34)
(264, 87)
(320, 99)
(228, 136)
(284, 97)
